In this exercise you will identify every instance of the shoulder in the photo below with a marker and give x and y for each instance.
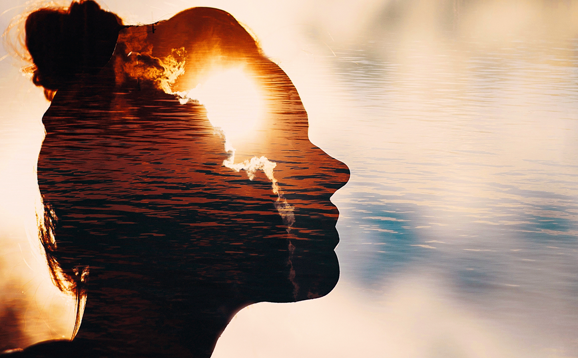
(54, 348)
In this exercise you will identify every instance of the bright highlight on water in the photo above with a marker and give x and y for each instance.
(235, 107)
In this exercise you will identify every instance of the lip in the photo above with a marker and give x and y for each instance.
(308, 187)
(314, 238)
(317, 225)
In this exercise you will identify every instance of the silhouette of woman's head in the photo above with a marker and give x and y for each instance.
(136, 187)
(66, 42)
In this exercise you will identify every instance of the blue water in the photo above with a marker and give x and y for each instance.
(465, 170)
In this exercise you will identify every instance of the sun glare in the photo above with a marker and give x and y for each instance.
(235, 106)
(232, 101)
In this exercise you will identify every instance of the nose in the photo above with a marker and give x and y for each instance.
(337, 173)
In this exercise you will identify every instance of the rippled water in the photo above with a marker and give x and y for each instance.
(459, 226)
(463, 154)
(470, 175)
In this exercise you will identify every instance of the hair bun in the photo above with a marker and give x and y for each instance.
(64, 43)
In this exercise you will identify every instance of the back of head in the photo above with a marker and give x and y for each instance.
(66, 42)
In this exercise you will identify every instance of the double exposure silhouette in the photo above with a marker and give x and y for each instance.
(150, 214)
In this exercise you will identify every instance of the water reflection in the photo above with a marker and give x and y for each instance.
(458, 227)
(139, 198)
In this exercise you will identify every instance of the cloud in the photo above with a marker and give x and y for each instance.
(414, 318)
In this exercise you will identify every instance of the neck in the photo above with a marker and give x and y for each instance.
(122, 322)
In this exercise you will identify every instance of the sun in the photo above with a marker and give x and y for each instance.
(235, 106)
(233, 102)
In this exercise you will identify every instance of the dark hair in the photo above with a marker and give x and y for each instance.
(73, 283)
(64, 43)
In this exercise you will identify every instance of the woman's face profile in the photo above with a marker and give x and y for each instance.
(127, 165)
(170, 206)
